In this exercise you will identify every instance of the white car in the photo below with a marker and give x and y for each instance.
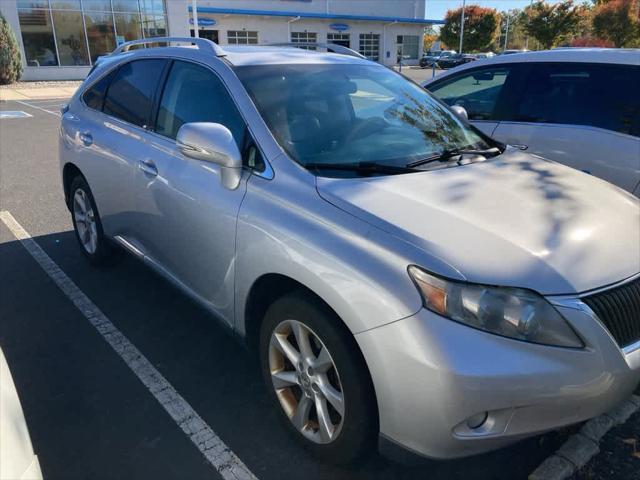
(17, 459)
(580, 107)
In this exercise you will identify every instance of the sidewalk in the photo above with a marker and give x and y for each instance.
(38, 90)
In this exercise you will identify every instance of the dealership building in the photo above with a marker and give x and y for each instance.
(60, 39)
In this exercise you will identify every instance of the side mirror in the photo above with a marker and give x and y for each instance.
(459, 111)
(212, 142)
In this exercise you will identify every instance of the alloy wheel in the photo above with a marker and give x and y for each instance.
(306, 381)
(85, 221)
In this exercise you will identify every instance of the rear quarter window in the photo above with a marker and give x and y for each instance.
(93, 96)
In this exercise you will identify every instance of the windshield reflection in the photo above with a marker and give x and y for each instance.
(350, 113)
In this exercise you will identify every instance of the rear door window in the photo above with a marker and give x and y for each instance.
(478, 91)
(604, 96)
(131, 93)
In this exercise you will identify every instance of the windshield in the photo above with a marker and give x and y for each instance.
(346, 114)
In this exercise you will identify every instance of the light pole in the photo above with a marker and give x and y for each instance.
(461, 25)
(195, 18)
(506, 33)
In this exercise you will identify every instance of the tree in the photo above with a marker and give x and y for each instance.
(10, 57)
(516, 36)
(588, 41)
(429, 37)
(618, 21)
(481, 27)
(549, 24)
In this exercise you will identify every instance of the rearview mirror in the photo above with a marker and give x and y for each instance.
(212, 142)
(459, 111)
(485, 76)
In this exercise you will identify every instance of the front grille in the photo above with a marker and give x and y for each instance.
(619, 310)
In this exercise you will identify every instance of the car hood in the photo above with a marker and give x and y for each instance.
(516, 220)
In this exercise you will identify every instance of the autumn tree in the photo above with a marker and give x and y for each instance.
(512, 33)
(549, 24)
(590, 41)
(618, 21)
(429, 37)
(481, 27)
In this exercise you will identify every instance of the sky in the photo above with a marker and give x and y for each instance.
(436, 9)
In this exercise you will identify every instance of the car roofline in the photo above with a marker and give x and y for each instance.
(614, 56)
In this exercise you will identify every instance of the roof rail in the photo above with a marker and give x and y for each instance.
(329, 46)
(201, 43)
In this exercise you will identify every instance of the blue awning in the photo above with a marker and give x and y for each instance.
(321, 16)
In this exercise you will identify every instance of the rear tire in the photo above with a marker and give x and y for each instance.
(322, 387)
(87, 224)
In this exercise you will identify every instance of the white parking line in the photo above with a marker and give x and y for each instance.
(57, 114)
(201, 434)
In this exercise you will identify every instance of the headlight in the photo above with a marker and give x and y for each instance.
(510, 312)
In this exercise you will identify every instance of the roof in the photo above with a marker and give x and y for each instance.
(322, 16)
(620, 56)
(241, 55)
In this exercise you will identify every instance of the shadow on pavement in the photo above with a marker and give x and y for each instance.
(197, 355)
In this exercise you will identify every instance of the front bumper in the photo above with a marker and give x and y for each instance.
(432, 374)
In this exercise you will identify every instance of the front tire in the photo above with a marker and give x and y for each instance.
(317, 378)
(86, 223)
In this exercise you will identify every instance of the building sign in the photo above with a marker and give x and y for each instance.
(204, 22)
(340, 27)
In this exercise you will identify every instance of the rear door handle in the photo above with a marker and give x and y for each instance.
(520, 146)
(148, 167)
(86, 138)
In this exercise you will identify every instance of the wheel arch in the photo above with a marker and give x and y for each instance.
(267, 289)
(69, 172)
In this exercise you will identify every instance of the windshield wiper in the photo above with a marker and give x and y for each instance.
(363, 167)
(454, 152)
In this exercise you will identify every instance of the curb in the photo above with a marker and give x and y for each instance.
(576, 452)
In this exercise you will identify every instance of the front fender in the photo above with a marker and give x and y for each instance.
(286, 228)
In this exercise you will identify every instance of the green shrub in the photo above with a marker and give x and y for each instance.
(10, 57)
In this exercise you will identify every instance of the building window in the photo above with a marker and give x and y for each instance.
(370, 46)
(37, 37)
(242, 37)
(304, 37)
(128, 27)
(154, 26)
(408, 47)
(76, 33)
(101, 33)
(339, 39)
(70, 38)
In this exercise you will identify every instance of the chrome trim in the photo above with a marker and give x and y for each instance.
(573, 296)
(128, 246)
(631, 348)
(575, 302)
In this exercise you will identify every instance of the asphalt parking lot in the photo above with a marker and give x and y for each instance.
(88, 413)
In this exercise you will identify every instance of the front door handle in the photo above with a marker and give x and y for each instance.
(86, 138)
(148, 167)
(520, 146)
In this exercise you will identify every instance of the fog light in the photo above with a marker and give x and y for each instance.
(477, 420)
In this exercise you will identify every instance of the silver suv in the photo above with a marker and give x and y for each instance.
(402, 276)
